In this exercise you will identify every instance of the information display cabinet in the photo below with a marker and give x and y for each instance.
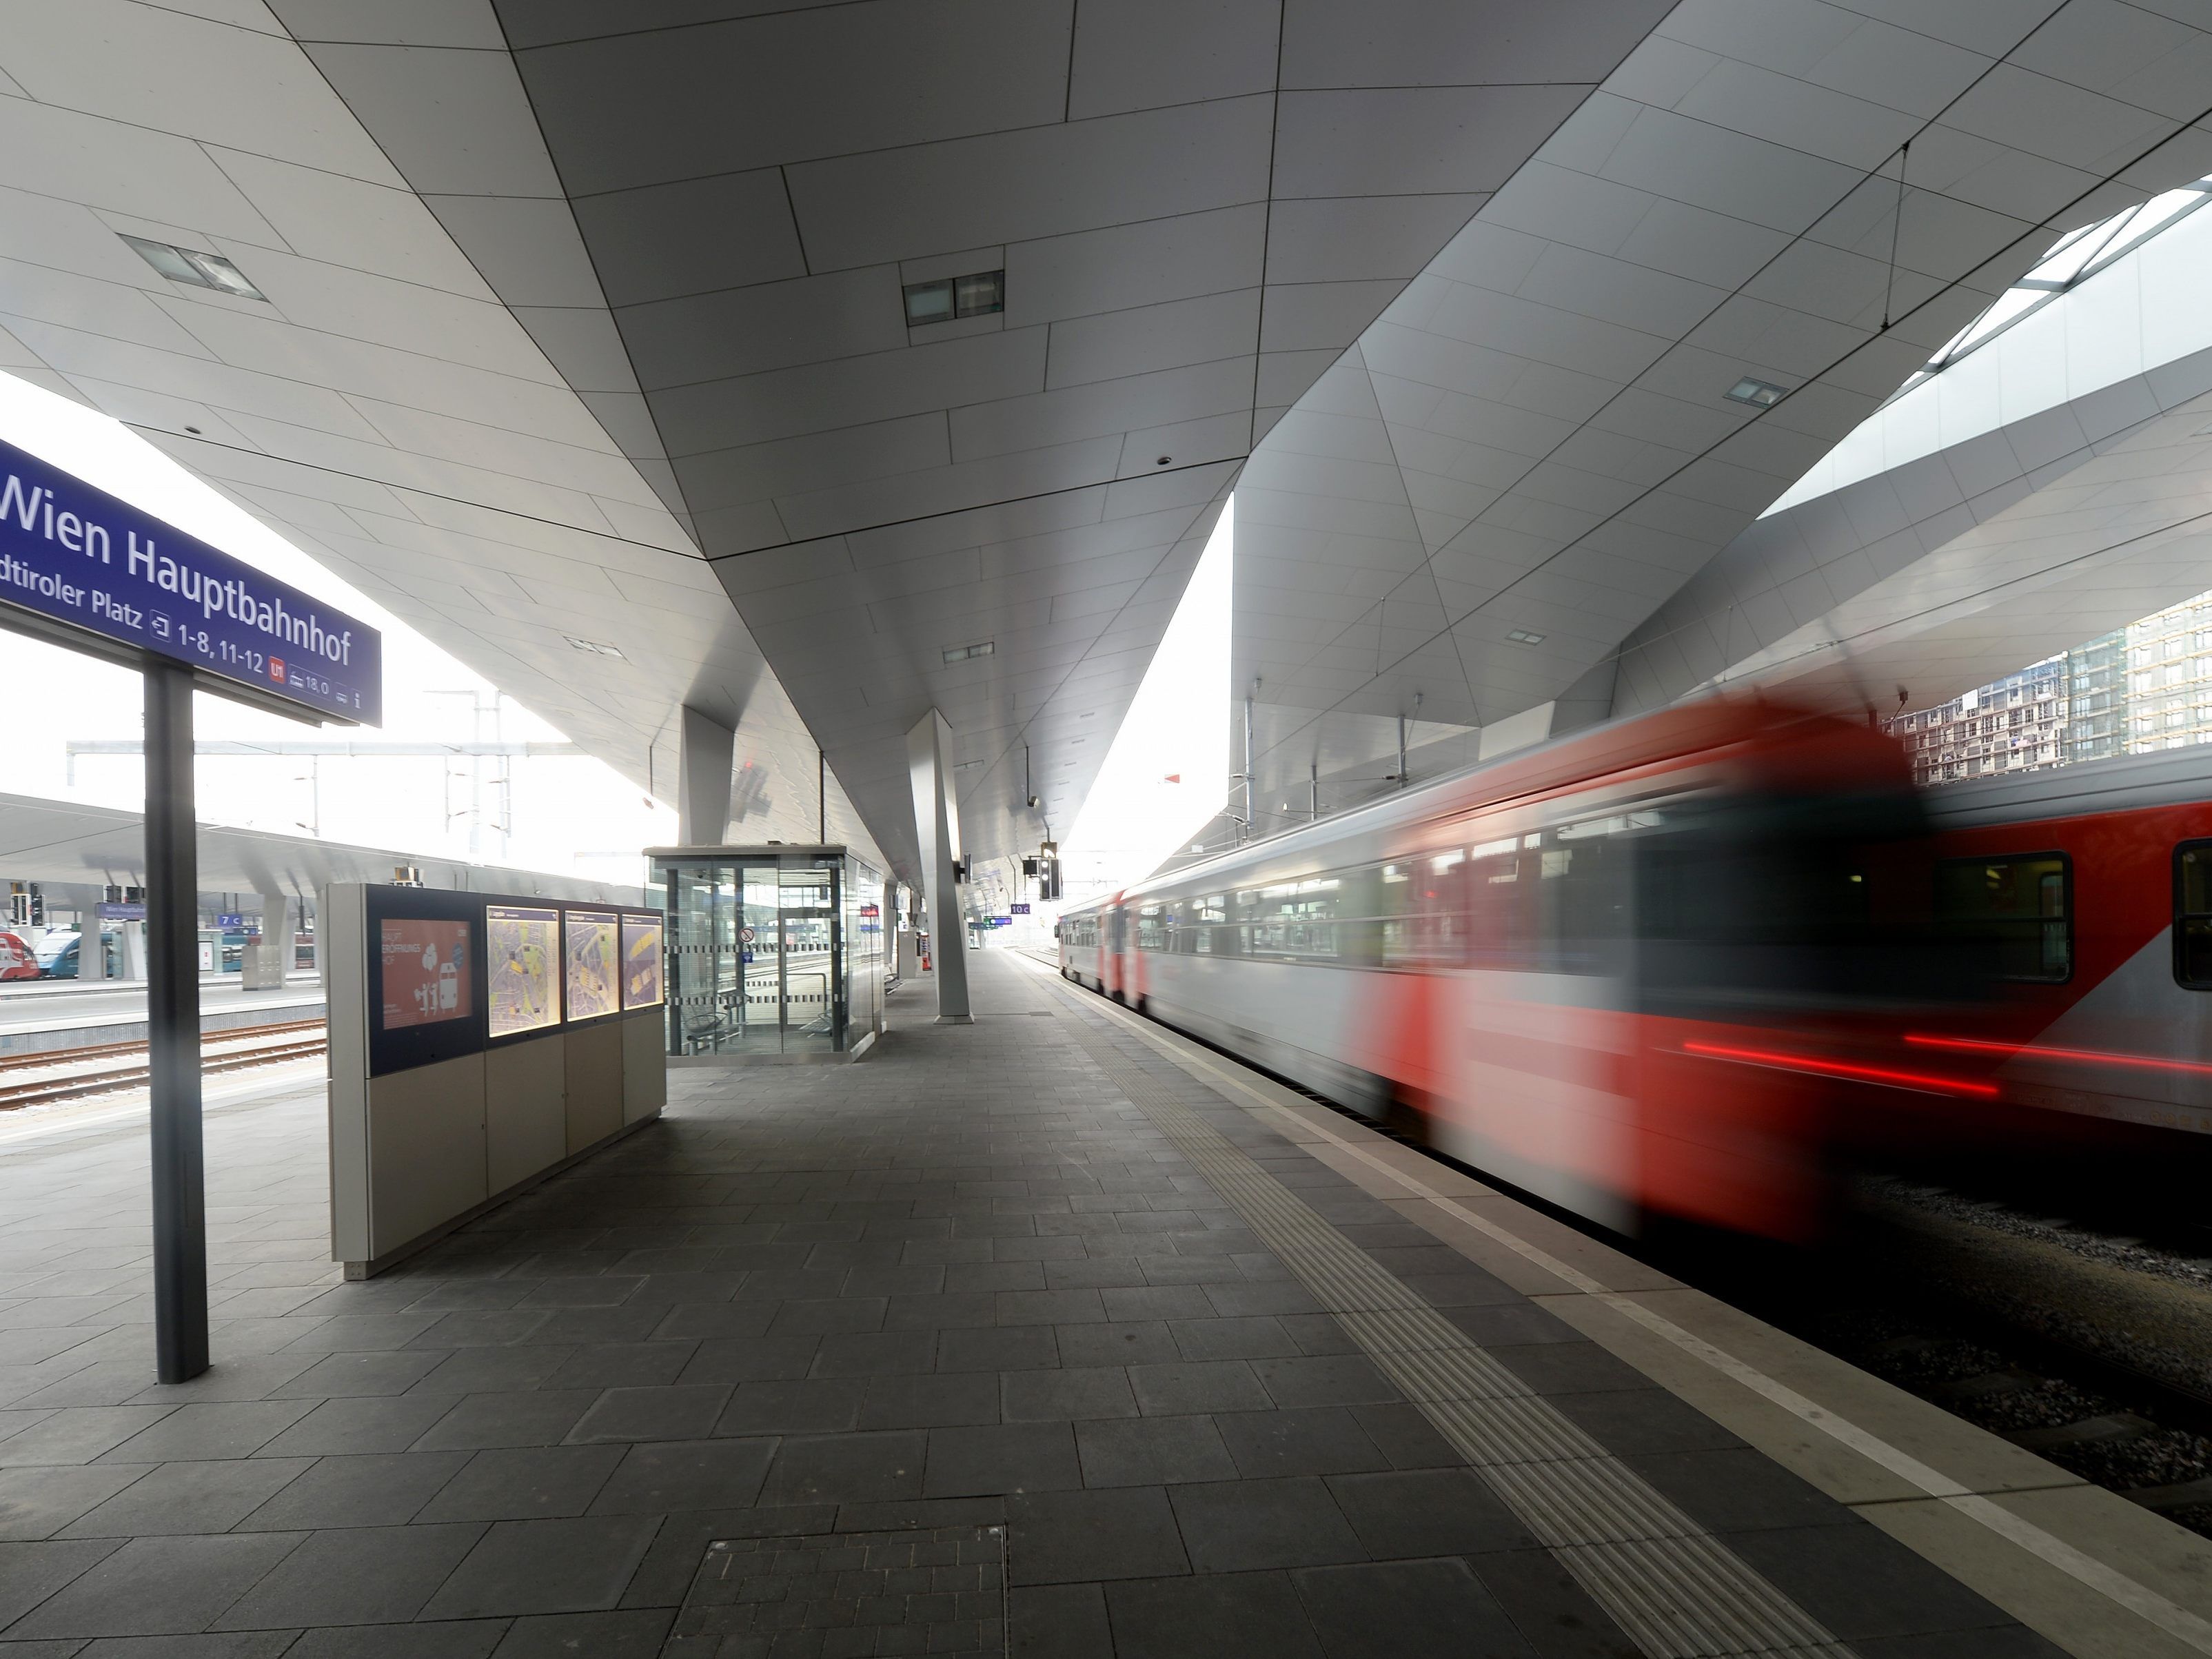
(774, 952)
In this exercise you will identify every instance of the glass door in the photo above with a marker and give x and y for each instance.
(808, 1004)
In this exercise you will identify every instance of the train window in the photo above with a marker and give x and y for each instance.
(1152, 924)
(1201, 928)
(1425, 910)
(1500, 903)
(1294, 918)
(2018, 909)
(2192, 914)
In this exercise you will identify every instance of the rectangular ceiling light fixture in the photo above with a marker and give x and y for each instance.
(1759, 394)
(594, 647)
(962, 652)
(940, 302)
(183, 265)
(1523, 637)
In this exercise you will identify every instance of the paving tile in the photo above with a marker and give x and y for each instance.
(77, 1434)
(1628, 1422)
(621, 1364)
(538, 1418)
(1416, 1512)
(998, 1348)
(1151, 1451)
(491, 1371)
(358, 1576)
(31, 1572)
(370, 1490)
(1036, 1396)
(716, 1321)
(1388, 1609)
(1188, 1386)
(377, 1424)
(522, 1483)
(685, 1412)
(526, 1567)
(851, 1468)
(1009, 1457)
(1320, 1440)
(1060, 1621)
(932, 1401)
(1260, 1337)
(1549, 1608)
(1860, 1582)
(196, 1497)
(470, 1639)
(220, 1430)
(155, 1586)
(1254, 1615)
(1247, 1526)
(827, 1317)
(38, 1501)
(695, 1474)
(811, 1406)
(1325, 1380)
(875, 1353)
(636, 1635)
(1146, 1343)
(344, 1374)
(1072, 1537)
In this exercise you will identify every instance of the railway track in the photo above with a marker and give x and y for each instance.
(115, 1066)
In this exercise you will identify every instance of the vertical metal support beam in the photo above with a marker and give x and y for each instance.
(173, 1028)
(1313, 786)
(937, 825)
(1250, 823)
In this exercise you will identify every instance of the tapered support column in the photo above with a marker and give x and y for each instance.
(172, 1030)
(705, 749)
(937, 822)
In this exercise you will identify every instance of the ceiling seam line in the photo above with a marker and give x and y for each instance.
(432, 494)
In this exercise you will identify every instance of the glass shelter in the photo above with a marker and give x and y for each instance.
(774, 952)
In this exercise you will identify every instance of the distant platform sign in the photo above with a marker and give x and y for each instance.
(76, 556)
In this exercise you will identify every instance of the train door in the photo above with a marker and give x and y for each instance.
(1112, 964)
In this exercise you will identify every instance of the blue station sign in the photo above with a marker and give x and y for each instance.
(76, 556)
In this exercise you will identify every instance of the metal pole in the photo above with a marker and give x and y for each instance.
(1314, 786)
(1401, 751)
(172, 1030)
(1249, 823)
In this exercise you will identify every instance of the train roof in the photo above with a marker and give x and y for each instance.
(2172, 777)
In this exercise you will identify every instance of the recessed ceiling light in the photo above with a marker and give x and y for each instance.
(1523, 637)
(975, 295)
(962, 652)
(196, 269)
(1759, 394)
(194, 431)
(594, 647)
(1164, 460)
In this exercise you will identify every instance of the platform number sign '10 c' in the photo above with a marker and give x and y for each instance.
(88, 564)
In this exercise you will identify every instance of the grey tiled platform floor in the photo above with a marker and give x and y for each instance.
(964, 1283)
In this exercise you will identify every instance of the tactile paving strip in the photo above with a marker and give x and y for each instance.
(1674, 1589)
(846, 1594)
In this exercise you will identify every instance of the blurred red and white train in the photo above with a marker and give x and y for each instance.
(1679, 965)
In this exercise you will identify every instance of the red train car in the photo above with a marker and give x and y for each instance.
(1661, 967)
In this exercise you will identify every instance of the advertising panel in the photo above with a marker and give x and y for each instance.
(522, 954)
(80, 557)
(426, 977)
(593, 963)
(640, 939)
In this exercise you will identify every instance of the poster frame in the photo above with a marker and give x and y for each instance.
(408, 1047)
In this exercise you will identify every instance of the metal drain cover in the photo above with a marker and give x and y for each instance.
(841, 1595)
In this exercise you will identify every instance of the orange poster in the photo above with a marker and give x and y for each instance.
(425, 972)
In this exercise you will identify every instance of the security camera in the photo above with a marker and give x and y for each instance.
(1036, 801)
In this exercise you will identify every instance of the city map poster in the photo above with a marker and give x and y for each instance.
(522, 949)
(594, 965)
(641, 938)
(426, 971)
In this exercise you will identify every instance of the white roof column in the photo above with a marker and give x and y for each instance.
(937, 824)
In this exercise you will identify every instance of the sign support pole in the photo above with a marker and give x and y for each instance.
(173, 1028)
